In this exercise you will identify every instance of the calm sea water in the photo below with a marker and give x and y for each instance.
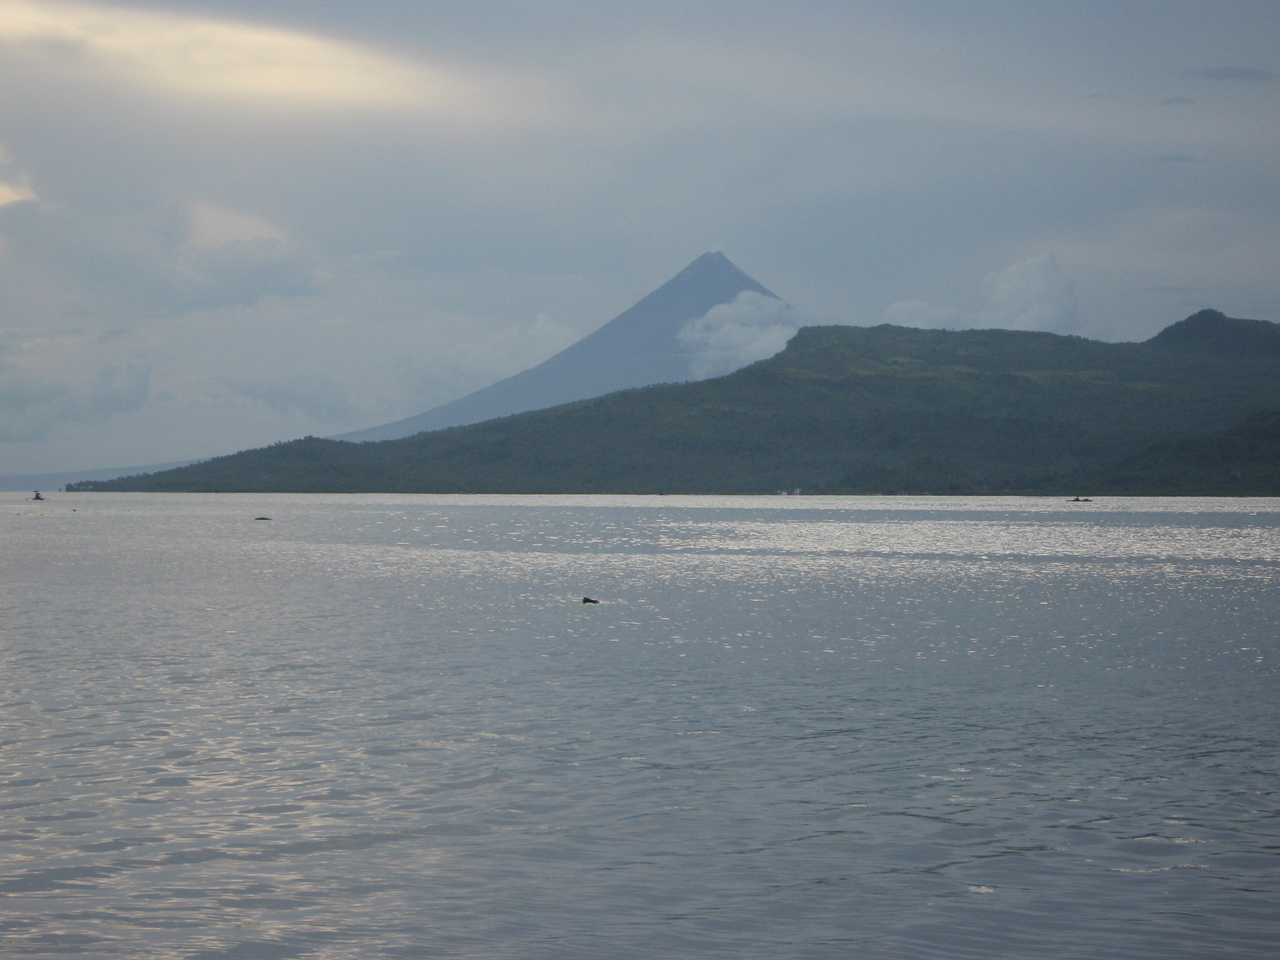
(387, 726)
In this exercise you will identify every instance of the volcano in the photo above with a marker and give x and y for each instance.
(637, 348)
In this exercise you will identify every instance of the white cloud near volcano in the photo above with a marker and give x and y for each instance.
(731, 335)
(1033, 294)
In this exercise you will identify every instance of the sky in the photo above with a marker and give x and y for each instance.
(229, 223)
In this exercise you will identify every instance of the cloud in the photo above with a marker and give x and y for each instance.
(1032, 294)
(918, 313)
(1157, 255)
(319, 398)
(732, 335)
(243, 272)
(117, 391)
(210, 225)
(14, 193)
(15, 185)
(159, 259)
(1243, 74)
(194, 56)
(28, 411)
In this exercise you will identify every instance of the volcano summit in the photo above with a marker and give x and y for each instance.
(709, 319)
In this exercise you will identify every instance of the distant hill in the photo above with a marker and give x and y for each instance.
(1212, 333)
(847, 409)
(635, 349)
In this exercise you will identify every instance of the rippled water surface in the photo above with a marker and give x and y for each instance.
(386, 726)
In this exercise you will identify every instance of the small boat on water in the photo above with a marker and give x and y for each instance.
(1079, 500)
(37, 496)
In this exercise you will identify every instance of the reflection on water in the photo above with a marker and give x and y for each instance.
(383, 726)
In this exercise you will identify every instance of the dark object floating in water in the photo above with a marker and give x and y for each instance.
(262, 518)
(589, 600)
(1079, 500)
(37, 496)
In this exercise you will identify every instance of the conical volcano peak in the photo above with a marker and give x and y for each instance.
(714, 268)
(710, 263)
(711, 260)
(656, 341)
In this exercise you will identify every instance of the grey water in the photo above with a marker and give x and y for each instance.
(387, 726)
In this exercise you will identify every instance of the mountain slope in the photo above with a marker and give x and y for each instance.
(635, 349)
(1242, 461)
(841, 409)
